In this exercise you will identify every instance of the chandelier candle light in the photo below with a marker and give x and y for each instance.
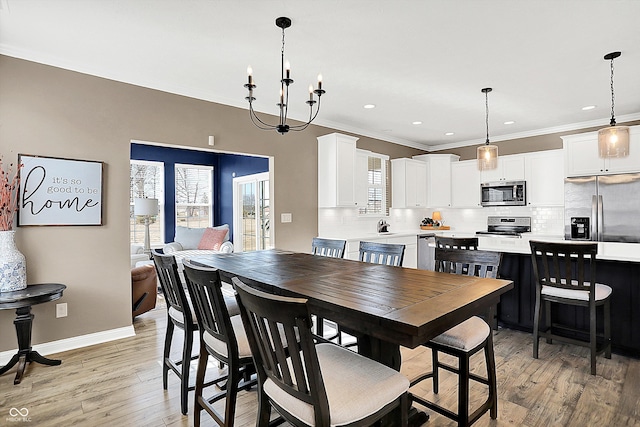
(613, 141)
(285, 80)
(487, 154)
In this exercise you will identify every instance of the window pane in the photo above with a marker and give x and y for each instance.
(378, 187)
(193, 196)
(146, 179)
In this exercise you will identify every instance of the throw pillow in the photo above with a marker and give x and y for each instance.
(213, 238)
(189, 238)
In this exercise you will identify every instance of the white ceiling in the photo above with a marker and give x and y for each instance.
(420, 60)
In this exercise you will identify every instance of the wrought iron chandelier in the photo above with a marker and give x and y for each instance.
(285, 80)
(487, 154)
(613, 141)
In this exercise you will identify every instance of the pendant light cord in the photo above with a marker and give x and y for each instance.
(613, 119)
(486, 104)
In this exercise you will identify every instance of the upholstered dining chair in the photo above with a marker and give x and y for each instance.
(382, 253)
(179, 314)
(313, 384)
(222, 337)
(464, 340)
(332, 248)
(565, 273)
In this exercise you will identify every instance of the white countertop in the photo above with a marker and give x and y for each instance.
(613, 251)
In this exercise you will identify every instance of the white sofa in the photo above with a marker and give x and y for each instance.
(187, 241)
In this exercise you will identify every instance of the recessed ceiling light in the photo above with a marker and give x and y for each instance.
(417, 122)
(509, 122)
(588, 107)
(369, 106)
(449, 133)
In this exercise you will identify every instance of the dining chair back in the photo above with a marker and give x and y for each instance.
(308, 383)
(565, 273)
(464, 340)
(179, 314)
(457, 242)
(222, 337)
(382, 253)
(328, 247)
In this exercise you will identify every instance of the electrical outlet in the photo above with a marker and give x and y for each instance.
(61, 310)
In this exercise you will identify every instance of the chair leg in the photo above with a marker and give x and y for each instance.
(232, 394)
(200, 374)
(607, 329)
(592, 337)
(167, 350)
(491, 377)
(264, 409)
(549, 322)
(186, 364)
(435, 365)
(536, 326)
(463, 390)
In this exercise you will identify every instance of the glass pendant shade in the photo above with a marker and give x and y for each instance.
(487, 157)
(613, 141)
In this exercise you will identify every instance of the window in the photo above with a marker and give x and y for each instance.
(378, 186)
(194, 185)
(146, 179)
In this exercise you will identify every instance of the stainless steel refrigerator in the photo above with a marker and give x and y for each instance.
(603, 208)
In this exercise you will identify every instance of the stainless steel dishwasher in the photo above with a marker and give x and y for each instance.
(426, 251)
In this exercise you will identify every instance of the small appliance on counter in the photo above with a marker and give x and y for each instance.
(511, 226)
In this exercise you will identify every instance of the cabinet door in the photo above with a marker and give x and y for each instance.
(361, 179)
(409, 182)
(439, 182)
(336, 170)
(631, 163)
(465, 184)
(346, 159)
(581, 155)
(510, 168)
(545, 178)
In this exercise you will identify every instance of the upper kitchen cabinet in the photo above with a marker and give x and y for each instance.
(408, 183)
(545, 178)
(465, 184)
(582, 158)
(337, 171)
(438, 178)
(510, 168)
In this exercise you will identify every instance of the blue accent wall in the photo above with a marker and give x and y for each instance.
(224, 168)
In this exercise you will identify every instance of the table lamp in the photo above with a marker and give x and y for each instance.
(436, 216)
(146, 208)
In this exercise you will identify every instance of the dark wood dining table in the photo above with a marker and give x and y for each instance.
(387, 307)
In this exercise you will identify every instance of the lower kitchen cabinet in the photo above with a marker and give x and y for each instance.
(516, 308)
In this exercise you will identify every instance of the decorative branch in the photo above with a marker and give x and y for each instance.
(9, 184)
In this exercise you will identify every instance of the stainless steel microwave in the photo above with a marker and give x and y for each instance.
(503, 193)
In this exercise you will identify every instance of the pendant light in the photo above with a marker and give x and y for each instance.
(613, 141)
(488, 153)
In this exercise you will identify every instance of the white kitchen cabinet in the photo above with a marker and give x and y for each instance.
(408, 183)
(545, 178)
(510, 168)
(582, 158)
(465, 184)
(438, 178)
(337, 171)
(360, 178)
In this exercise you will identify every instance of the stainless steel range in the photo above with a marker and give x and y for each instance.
(512, 226)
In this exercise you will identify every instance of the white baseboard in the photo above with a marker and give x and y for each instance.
(74, 342)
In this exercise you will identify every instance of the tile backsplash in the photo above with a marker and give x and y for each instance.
(345, 222)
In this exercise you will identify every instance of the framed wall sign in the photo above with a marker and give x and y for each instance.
(55, 191)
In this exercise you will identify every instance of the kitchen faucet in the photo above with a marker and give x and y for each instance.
(383, 226)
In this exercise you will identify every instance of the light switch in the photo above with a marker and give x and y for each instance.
(285, 217)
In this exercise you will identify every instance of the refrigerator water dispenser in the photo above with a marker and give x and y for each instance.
(580, 228)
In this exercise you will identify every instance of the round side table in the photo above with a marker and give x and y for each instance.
(22, 301)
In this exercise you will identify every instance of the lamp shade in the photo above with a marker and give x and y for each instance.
(436, 216)
(144, 207)
(487, 157)
(613, 141)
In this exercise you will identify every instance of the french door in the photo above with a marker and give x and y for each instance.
(251, 213)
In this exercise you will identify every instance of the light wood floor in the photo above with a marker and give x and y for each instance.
(120, 384)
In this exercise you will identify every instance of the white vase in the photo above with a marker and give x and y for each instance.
(13, 267)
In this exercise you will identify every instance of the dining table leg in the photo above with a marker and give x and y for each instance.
(389, 354)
